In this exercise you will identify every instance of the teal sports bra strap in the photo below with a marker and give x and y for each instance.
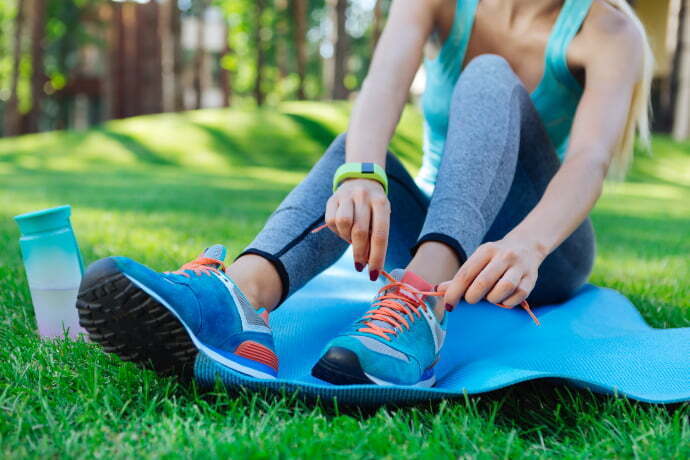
(567, 25)
(453, 51)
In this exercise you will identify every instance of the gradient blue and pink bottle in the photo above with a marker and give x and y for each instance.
(54, 269)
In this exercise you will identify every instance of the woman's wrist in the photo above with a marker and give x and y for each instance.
(357, 170)
(535, 243)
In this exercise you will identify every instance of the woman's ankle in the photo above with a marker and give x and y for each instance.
(258, 280)
(436, 263)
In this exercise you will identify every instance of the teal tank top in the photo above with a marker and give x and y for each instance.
(556, 96)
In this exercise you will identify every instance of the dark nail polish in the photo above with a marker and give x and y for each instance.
(449, 307)
(374, 275)
(359, 267)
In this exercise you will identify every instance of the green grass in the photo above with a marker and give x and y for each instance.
(159, 188)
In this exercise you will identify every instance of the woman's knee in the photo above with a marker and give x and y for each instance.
(487, 76)
(486, 64)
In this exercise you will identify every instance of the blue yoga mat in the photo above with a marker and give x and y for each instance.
(596, 340)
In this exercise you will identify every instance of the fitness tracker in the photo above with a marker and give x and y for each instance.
(360, 171)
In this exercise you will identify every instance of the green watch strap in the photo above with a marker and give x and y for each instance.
(360, 171)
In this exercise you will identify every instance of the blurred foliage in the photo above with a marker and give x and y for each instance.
(70, 25)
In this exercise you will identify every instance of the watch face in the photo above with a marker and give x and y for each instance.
(367, 168)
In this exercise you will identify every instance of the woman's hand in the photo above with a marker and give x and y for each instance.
(502, 272)
(359, 212)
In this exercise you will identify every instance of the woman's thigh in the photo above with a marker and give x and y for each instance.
(408, 211)
(567, 268)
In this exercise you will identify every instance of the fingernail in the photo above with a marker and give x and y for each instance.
(449, 307)
(374, 275)
(359, 267)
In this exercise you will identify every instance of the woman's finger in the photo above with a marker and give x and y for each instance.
(455, 289)
(521, 292)
(379, 235)
(331, 208)
(506, 286)
(486, 280)
(360, 233)
(344, 218)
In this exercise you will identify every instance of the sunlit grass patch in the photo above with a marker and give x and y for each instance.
(161, 188)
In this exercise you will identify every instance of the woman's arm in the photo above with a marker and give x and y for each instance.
(359, 210)
(385, 90)
(506, 271)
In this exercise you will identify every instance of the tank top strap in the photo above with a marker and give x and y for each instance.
(452, 53)
(569, 22)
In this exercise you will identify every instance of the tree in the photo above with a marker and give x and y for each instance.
(199, 56)
(38, 78)
(681, 123)
(340, 45)
(171, 56)
(259, 8)
(299, 17)
(12, 115)
(225, 75)
(149, 58)
(377, 24)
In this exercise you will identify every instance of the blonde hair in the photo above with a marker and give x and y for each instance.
(639, 113)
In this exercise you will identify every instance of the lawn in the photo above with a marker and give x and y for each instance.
(160, 188)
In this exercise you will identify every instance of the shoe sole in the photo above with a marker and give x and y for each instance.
(147, 331)
(341, 366)
(128, 322)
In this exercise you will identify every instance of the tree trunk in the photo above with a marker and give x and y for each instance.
(377, 25)
(131, 65)
(149, 53)
(38, 78)
(199, 58)
(107, 17)
(225, 77)
(681, 122)
(12, 117)
(259, 95)
(299, 11)
(340, 46)
(169, 15)
(281, 39)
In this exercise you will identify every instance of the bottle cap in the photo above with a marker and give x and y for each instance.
(44, 220)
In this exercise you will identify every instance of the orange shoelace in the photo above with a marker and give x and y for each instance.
(200, 266)
(392, 307)
(388, 309)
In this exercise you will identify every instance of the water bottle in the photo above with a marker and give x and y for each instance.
(54, 269)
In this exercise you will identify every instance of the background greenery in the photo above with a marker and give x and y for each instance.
(159, 188)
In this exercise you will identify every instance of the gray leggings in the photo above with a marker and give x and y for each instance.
(496, 166)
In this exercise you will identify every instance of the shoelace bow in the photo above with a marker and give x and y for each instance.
(200, 266)
(388, 307)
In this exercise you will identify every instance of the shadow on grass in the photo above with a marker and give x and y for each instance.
(127, 191)
(267, 144)
(535, 409)
(313, 129)
(43, 149)
(225, 145)
(138, 149)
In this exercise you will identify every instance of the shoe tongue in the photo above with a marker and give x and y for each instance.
(416, 281)
(411, 278)
(217, 251)
(407, 277)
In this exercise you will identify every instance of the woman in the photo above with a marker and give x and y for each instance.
(527, 104)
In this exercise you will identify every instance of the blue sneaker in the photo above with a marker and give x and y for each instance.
(161, 320)
(397, 342)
